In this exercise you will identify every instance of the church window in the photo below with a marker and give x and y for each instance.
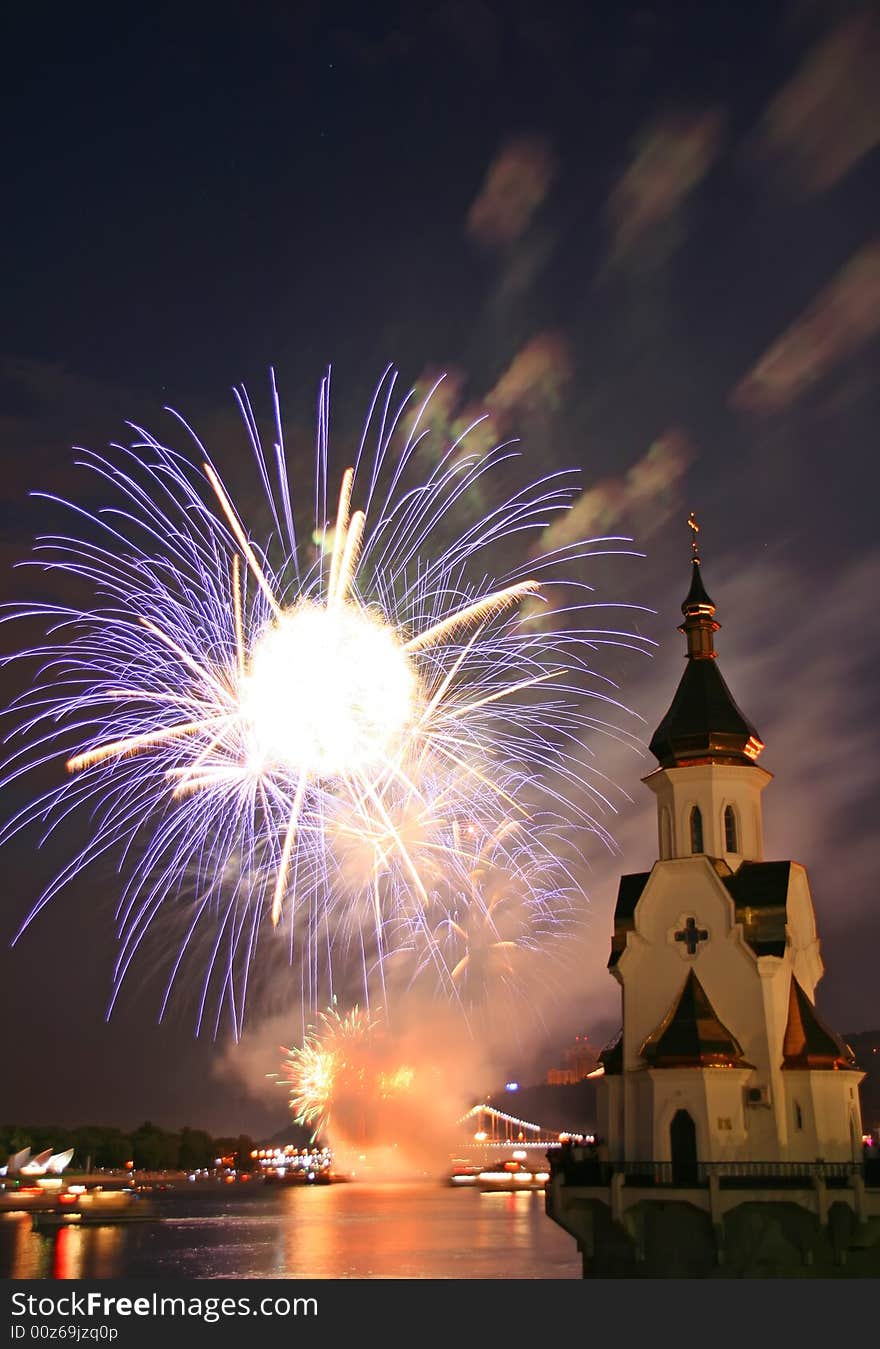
(798, 1116)
(696, 830)
(731, 843)
(665, 834)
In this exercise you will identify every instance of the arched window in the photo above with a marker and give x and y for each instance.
(683, 1146)
(731, 842)
(696, 830)
(665, 834)
(798, 1116)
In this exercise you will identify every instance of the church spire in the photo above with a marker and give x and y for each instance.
(703, 724)
(699, 626)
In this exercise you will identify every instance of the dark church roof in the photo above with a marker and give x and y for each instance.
(629, 893)
(703, 723)
(808, 1043)
(691, 1036)
(697, 598)
(611, 1057)
(759, 891)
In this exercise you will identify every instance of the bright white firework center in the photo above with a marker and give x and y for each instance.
(329, 691)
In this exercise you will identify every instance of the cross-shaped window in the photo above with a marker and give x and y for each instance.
(692, 934)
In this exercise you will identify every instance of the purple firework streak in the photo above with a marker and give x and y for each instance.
(250, 728)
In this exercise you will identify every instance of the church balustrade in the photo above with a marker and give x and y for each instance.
(580, 1168)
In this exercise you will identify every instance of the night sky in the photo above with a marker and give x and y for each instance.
(643, 237)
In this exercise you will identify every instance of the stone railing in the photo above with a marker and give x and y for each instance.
(579, 1167)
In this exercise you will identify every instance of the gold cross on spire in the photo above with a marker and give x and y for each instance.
(695, 547)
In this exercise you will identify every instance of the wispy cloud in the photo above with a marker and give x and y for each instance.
(671, 157)
(827, 117)
(535, 379)
(645, 495)
(841, 319)
(516, 184)
(532, 384)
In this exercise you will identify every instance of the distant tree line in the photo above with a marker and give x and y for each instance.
(149, 1147)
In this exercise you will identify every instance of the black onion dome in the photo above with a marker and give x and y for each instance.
(703, 723)
(697, 598)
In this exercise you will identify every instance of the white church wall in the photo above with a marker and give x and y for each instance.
(655, 965)
(638, 1115)
(802, 1143)
(774, 974)
(750, 994)
(609, 1109)
(711, 787)
(727, 1136)
(835, 1101)
(762, 1122)
(664, 819)
(803, 943)
(713, 1097)
(677, 1089)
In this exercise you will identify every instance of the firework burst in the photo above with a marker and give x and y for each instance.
(499, 904)
(345, 1073)
(503, 898)
(330, 1062)
(250, 726)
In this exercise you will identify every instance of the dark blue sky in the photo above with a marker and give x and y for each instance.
(645, 237)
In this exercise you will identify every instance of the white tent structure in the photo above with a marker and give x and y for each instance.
(44, 1163)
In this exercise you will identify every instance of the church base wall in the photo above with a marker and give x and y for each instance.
(677, 1237)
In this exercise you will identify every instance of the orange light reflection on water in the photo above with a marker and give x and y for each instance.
(363, 1229)
(30, 1258)
(67, 1253)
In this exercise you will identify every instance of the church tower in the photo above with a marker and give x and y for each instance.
(722, 1057)
(708, 786)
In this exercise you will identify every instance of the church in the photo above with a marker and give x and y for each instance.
(725, 1100)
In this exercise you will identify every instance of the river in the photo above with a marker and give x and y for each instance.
(406, 1230)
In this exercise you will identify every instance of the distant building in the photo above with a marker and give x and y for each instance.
(725, 1097)
(579, 1059)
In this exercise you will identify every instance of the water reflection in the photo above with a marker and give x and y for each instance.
(20, 1252)
(355, 1231)
(67, 1253)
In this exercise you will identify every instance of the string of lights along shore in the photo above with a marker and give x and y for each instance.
(357, 735)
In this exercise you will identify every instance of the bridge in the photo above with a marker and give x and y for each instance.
(494, 1129)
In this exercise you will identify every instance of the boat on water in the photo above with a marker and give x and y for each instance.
(82, 1207)
(300, 1177)
(53, 1221)
(510, 1175)
(297, 1166)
